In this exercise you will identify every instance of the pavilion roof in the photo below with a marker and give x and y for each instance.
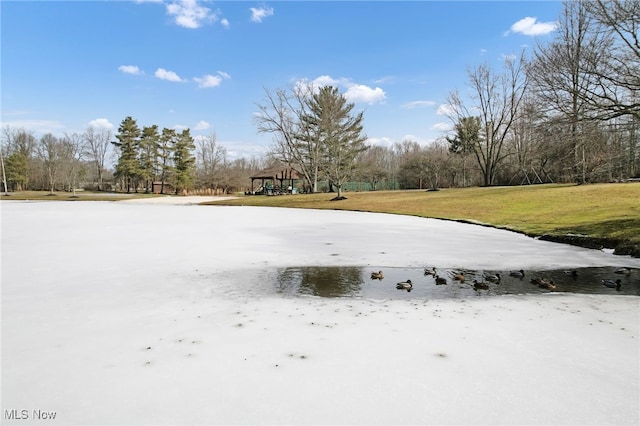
(278, 172)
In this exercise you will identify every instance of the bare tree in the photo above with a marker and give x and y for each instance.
(373, 165)
(71, 156)
(97, 143)
(525, 142)
(437, 162)
(210, 156)
(49, 151)
(498, 98)
(563, 75)
(281, 115)
(617, 74)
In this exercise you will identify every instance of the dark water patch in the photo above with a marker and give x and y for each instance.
(356, 282)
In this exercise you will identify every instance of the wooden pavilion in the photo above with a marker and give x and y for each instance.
(280, 177)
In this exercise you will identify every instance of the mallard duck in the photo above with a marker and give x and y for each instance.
(612, 284)
(458, 276)
(440, 280)
(405, 285)
(623, 271)
(480, 286)
(377, 275)
(431, 271)
(517, 274)
(545, 283)
(494, 278)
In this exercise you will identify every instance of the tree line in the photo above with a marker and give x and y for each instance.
(134, 159)
(567, 112)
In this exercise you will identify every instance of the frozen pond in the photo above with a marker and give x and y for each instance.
(133, 313)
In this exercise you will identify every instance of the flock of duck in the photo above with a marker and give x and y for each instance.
(459, 276)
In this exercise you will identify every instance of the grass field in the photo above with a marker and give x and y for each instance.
(606, 214)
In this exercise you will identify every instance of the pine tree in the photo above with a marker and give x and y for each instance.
(149, 155)
(184, 161)
(330, 123)
(128, 167)
(165, 151)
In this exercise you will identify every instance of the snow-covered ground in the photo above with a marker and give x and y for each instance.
(127, 313)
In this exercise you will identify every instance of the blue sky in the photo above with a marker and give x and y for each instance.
(205, 65)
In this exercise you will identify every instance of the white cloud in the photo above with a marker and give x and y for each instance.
(202, 125)
(362, 93)
(353, 92)
(259, 13)
(418, 104)
(385, 79)
(37, 126)
(190, 14)
(445, 109)
(163, 74)
(442, 126)
(209, 80)
(531, 27)
(130, 69)
(225, 22)
(325, 80)
(101, 123)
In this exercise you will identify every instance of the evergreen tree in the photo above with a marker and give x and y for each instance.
(20, 148)
(149, 144)
(184, 160)
(330, 123)
(165, 150)
(128, 167)
(466, 138)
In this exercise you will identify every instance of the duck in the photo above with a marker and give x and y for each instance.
(377, 275)
(440, 280)
(493, 277)
(545, 283)
(431, 271)
(405, 285)
(517, 274)
(623, 271)
(458, 276)
(571, 272)
(612, 284)
(480, 286)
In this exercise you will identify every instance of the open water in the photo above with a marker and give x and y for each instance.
(356, 282)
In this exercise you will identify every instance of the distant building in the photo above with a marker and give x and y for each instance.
(276, 180)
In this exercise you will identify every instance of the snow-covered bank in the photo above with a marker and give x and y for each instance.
(121, 313)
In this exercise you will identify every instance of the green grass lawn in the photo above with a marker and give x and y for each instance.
(608, 212)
